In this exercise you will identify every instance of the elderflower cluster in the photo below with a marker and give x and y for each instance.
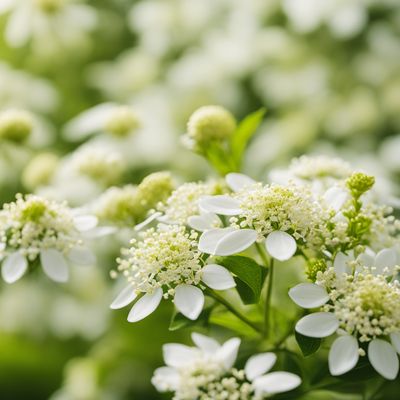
(15, 125)
(128, 205)
(33, 223)
(366, 305)
(183, 202)
(267, 208)
(319, 167)
(164, 258)
(98, 164)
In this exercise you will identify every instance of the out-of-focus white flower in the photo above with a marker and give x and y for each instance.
(36, 229)
(117, 120)
(207, 371)
(23, 91)
(44, 21)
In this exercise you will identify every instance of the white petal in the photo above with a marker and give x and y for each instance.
(228, 352)
(148, 221)
(386, 258)
(335, 197)
(189, 300)
(166, 379)
(222, 204)
(383, 357)
(82, 256)
(280, 245)
(318, 325)
(309, 295)
(340, 263)
(276, 382)
(235, 242)
(395, 339)
(204, 221)
(88, 122)
(238, 181)
(217, 277)
(99, 231)
(178, 355)
(19, 26)
(209, 239)
(85, 222)
(14, 266)
(205, 343)
(259, 364)
(145, 305)
(343, 355)
(124, 298)
(54, 265)
(366, 259)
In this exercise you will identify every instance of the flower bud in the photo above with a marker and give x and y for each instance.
(15, 125)
(210, 123)
(49, 6)
(122, 121)
(39, 170)
(359, 183)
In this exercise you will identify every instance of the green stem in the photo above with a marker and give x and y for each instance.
(262, 254)
(268, 295)
(233, 310)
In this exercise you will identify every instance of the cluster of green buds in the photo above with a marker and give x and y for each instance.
(15, 125)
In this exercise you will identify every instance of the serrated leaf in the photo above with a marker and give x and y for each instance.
(307, 344)
(249, 276)
(243, 133)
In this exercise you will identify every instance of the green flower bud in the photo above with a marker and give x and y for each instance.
(49, 6)
(155, 188)
(359, 183)
(313, 267)
(122, 122)
(15, 125)
(39, 170)
(210, 123)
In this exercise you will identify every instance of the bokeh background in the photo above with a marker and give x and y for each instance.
(327, 71)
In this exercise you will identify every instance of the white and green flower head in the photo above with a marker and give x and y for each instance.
(165, 262)
(209, 124)
(40, 170)
(34, 229)
(49, 6)
(363, 307)
(99, 164)
(280, 216)
(117, 120)
(15, 125)
(129, 205)
(183, 202)
(122, 121)
(207, 372)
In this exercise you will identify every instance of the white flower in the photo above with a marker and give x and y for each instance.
(36, 229)
(276, 215)
(381, 263)
(363, 309)
(112, 118)
(167, 263)
(46, 21)
(207, 371)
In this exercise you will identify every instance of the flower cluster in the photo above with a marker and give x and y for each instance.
(207, 372)
(359, 299)
(166, 262)
(33, 227)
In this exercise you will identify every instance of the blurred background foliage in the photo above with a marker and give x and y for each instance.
(328, 73)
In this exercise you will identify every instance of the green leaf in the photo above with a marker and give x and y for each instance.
(249, 276)
(246, 129)
(179, 321)
(231, 322)
(307, 344)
